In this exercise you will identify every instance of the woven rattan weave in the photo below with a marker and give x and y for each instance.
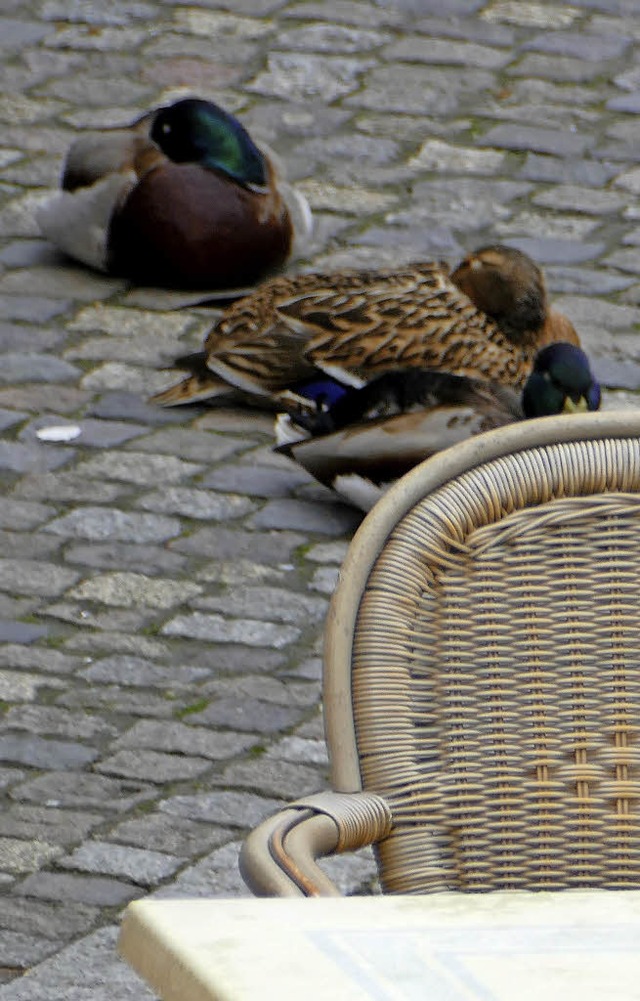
(482, 674)
(496, 676)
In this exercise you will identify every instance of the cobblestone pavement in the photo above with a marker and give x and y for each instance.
(163, 579)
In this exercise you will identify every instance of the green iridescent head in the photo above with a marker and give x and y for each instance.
(197, 131)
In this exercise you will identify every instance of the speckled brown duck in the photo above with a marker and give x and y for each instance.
(487, 320)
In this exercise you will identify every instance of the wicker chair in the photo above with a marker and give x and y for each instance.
(482, 675)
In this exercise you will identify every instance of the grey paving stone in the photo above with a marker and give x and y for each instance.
(590, 46)
(444, 51)
(33, 577)
(147, 559)
(525, 137)
(271, 603)
(33, 309)
(328, 519)
(217, 870)
(10, 776)
(18, 367)
(297, 77)
(407, 89)
(128, 589)
(91, 619)
(39, 753)
(217, 629)
(137, 672)
(138, 468)
(249, 715)
(93, 433)
(299, 749)
(17, 608)
(471, 203)
(20, 515)
(120, 405)
(174, 835)
(183, 739)
(57, 722)
(264, 547)
(100, 523)
(90, 968)
(22, 687)
(234, 809)
(67, 486)
(83, 791)
(229, 659)
(198, 446)
(557, 68)
(20, 951)
(16, 34)
(37, 396)
(53, 825)
(39, 659)
(113, 699)
(242, 572)
(216, 875)
(281, 779)
(17, 856)
(266, 687)
(28, 546)
(331, 38)
(99, 891)
(10, 417)
(20, 632)
(588, 281)
(325, 580)
(152, 766)
(47, 920)
(147, 868)
(550, 251)
(571, 198)
(198, 504)
(19, 458)
(108, 638)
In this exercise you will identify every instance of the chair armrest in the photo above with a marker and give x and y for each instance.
(279, 857)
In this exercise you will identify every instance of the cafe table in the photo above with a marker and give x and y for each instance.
(497, 946)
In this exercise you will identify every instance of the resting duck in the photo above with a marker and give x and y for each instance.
(485, 320)
(182, 198)
(365, 438)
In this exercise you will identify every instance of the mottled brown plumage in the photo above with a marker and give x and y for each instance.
(356, 325)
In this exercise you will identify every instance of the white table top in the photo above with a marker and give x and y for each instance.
(505, 946)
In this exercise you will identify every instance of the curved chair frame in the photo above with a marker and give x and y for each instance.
(365, 807)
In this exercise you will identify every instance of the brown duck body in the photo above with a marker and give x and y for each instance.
(357, 325)
(185, 227)
(169, 214)
(365, 438)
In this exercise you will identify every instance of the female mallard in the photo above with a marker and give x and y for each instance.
(486, 320)
(182, 198)
(365, 438)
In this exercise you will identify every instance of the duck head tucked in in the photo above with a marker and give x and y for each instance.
(365, 438)
(182, 198)
(356, 325)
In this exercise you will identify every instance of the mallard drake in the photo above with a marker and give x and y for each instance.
(365, 438)
(485, 320)
(182, 198)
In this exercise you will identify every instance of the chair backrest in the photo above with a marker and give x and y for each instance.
(482, 665)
